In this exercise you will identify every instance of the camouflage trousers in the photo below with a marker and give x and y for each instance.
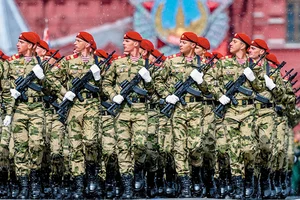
(27, 128)
(289, 147)
(108, 142)
(83, 130)
(6, 145)
(54, 134)
(279, 150)
(208, 134)
(265, 129)
(131, 131)
(239, 123)
(187, 137)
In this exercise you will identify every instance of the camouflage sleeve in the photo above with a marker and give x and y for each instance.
(279, 92)
(259, 84)
(7, 84)
(215, 75)
(109, 82)
(160, 80)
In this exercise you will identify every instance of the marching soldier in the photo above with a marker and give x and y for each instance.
(186, 120)
(83, 117)
(131, 122)
(27, 123)
(238, 138)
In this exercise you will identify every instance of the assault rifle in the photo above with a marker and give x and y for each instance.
(261, 98)
(129, 87)
(22, 84)
(293, 83)
(235, 87)
(296, 90)
(185, 87)
(79, 84)
(287, 73)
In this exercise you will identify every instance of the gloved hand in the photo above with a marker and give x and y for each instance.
(224, 100)
(197, 76)
(118, 99)
(173, 99)
(14, 93)
(69, 95)
(38, 71)
(249, 74)
(96, 72)
(145, 74)
(269, 82)
(7, 120)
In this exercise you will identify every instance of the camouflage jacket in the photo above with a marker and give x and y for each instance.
(177, 68)
(121, 69)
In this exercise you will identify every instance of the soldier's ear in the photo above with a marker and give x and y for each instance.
(193, 45)
(136, 43)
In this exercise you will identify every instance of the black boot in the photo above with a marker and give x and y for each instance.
(171, 186)
(66, 187)
(238, 187)
(56, 181)
(78, 189)
(249, 183)
(211, 185)
(265, 183)
(14, 184)
(151, 186)
(4, 186)
(139, 178)
(222, 189)
(197, 183)
(35, 184)
(284, 192)
(24, 191)
(185, 186)
(92, 180)
(257, 189)
(277, 184)
(160, 182)
(127, 185)
(119, 184)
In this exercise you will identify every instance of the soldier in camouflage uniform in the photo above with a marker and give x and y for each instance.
(131, 122)
(27, 125)
(239, 119)
(4, 136)
(186, 120)
(83, 117)
(265, 122)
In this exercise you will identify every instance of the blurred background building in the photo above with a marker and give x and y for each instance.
(161, 21)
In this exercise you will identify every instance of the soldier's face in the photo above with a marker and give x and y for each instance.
(129, 45)
(80, 45)
(235, 45)
(255, 52)
(23, 46)
(40, 51)
(185, 46)
(199, 51)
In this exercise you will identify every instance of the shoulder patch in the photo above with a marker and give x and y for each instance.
(174, 55)
(70, 57)
(14, 57)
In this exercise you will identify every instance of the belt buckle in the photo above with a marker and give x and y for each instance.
(240, 102)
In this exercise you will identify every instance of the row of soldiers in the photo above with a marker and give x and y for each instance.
(190, 124)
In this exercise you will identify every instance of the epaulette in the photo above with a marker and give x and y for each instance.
(174, 55)
(70, 57)
(13, 57)
(118, 57)
(228, 56)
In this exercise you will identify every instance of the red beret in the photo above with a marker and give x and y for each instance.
(189, 36)
(86, 37)
(203, 42)
(133, 36)
(147, 45)
(94, 46)
(272, 58)
(219, 55)
(243, 37)
(3, 56)
(260, 44)
(156, 54)
(30, 37)
(208, 55)
(52, 51)
(43, 45)
(100, 53)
